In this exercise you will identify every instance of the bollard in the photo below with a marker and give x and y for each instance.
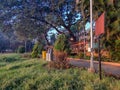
(44, 55)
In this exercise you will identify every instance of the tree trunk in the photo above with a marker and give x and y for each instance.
(46, 40)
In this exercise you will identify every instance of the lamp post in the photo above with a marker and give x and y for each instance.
(91, 41)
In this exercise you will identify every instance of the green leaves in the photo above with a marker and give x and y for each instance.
(37, 50)
(61, 44)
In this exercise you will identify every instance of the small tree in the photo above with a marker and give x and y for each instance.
(37, 49)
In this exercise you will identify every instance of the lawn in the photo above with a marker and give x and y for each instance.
(18, 73)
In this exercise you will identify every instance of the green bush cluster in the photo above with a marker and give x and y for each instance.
(115, 55)
(62, 44)
(21, 49)
(37, 50)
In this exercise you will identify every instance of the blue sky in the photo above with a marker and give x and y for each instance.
(87, 26)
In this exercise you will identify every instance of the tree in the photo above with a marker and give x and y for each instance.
(4, 42)
(112, 22)
(53, 13)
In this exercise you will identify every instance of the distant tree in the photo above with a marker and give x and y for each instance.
(4, 42)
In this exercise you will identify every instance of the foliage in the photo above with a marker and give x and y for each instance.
(60, 61)
(112, 28)
(62, 44)
(21, 49)
(81, 55)
(36, 18)
(4, 42)
(37, 50)
(116, 54)
(61, 49)
(33, 74)
(112, 20)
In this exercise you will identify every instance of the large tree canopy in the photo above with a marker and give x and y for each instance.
(39, 15)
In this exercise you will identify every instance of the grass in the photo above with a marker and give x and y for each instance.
(31, 74)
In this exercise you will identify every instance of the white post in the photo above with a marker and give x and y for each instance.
(91, 41)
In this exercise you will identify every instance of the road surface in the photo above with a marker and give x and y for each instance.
(107, 67)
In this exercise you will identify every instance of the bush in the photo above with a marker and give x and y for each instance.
(21, 49)
(61, 50)
(37, 49)
(62, 44)
(60, 61)
(117, 51)
(115, 54)
(81, 55)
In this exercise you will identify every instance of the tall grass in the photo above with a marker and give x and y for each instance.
(33, 74)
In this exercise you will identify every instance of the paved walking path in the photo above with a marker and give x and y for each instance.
(107, 67)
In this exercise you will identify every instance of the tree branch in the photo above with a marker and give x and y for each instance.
(46, 22)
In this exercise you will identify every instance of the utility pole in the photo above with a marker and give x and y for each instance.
(91, 41)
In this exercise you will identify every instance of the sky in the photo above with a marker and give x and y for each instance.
(87, 26)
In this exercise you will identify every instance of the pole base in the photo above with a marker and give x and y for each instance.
(91, 70)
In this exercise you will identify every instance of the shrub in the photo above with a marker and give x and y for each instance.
(62, 44)
(81, 55)
(60, 61)
(37, 49)
(61, 50)
(117, 51)
(113, 48)
(21, 49)
(115, 54)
